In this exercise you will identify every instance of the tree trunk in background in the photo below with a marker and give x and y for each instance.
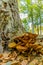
(37, 29)
(32, 21)
(39, 6)
(9, 17)
(40, 24)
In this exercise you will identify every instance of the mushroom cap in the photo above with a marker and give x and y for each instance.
(21, 48)
(12, 45)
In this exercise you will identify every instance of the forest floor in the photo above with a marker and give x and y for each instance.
(26, 50)
(21, 59)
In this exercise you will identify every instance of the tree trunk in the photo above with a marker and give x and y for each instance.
(37, 29)
(32, 21)
(40, 19)
(9, 17)
(39, 2)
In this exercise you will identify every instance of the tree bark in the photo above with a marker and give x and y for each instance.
(32, 21)
(9, 17)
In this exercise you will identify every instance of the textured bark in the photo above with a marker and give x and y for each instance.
(9, 17)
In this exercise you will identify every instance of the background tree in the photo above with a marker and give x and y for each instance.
(34, 11)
